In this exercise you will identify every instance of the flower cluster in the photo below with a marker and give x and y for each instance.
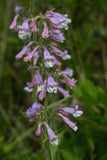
(43, 56)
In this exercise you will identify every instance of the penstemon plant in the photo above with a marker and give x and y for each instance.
(42, 34)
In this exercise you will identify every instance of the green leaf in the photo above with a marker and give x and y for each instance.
(58, 102)
(11, 146)
(68, 155)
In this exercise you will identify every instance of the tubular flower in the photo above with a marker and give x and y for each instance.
(57, 51)
(74, 111)
(36, 108)
(23, 51)
(32, 24)
(30, 55)
(13, 24)
(42, 94)
(52, 137)
(24, 31)
(67, 71)
(32, 84)
(57, 62)
(69, 122)
(36, 56)
(39, 81)
(38, 131)
(70, 82)
(31, 111)
(55, 17)
(18, 9)
(51, 85)
(58, 37)
(45, 33)
(64, 92)
(48, 60)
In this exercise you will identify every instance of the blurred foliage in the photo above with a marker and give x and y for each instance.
(86, 41)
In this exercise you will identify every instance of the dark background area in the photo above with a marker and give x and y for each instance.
(86, 41)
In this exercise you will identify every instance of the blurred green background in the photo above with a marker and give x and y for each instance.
(86, 41)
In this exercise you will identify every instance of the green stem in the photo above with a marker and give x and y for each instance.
(50, 151)
(45, 114)
(34, 96)
(45, 107)
(44, 149)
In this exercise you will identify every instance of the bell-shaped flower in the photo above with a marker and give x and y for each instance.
(52, 137)
(24, 31)
(39, 82)
(23, 51)
(30, 55)
(42, 94)
(45, 33)
(18, 9)
(63, 91)
(38, 131)
(51, 85)
(13, 24)
(67, 71)
(69, 122)
(66, 56)
(48, 60)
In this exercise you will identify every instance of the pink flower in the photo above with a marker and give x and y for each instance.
(32, 84)
(57, 62)
(13, 24)
(52, 137)
(18, 9)
(70, 82)
(38, 131)
(70, 123)
(45, 33)
(30, 55)
(43, 93)
(23, 51)
(32, 24)
(63, 91)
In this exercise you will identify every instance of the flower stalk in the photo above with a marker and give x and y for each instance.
(44, 33)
